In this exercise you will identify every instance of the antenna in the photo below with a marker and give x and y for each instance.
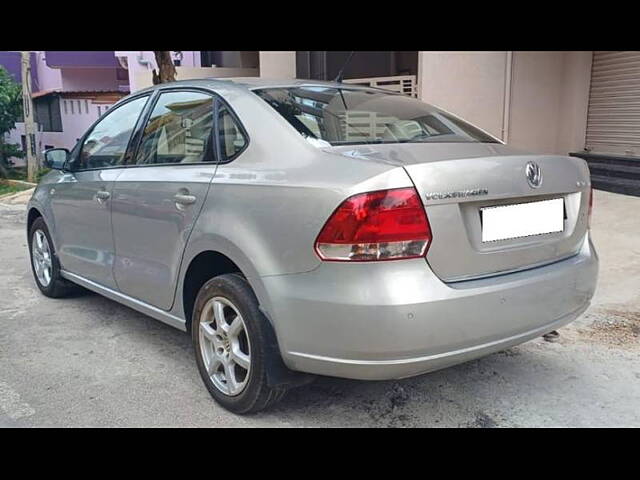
(341, 72)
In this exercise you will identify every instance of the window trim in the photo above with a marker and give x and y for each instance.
(178, 88)
(240, 126)
(80, 142)
(130, 161)
(134, 142)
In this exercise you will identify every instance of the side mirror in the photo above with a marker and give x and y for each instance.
(56, 158)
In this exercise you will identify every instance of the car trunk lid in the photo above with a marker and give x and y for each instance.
(457, 181)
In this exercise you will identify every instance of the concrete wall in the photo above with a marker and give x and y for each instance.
(469, 84)
(574, 101)
(536, 93)
(278, 64)
(537, 101)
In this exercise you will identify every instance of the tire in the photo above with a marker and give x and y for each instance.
(237, 388)
(56, 287)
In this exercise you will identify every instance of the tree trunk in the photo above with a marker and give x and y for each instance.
(166, 69)
(29, 117)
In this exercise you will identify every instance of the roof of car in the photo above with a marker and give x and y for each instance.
(250, 83)
(258, 82)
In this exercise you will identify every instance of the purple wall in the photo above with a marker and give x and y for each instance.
(69, 59)
(11, 62)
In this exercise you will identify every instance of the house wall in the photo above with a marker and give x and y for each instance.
(545, 101)
(85, 71)
(536, 94)
(48, 78)
(74, 124)
(468, 84)
(280, 64)
(85, 79)
(54, 139)
(576, 85)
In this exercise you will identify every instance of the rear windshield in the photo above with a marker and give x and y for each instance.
(343, 116)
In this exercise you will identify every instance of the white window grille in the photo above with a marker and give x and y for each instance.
(405, 84)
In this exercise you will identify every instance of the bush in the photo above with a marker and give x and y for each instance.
(20, 173)
(10, 111)
(7, 188)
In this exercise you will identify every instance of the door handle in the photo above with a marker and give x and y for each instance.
(102, 195)
(184, 199)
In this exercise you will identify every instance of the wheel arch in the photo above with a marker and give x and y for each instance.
(203, 261)
(32, 215)
(202, 267)
(209, 263)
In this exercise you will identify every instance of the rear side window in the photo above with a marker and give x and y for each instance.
(232, 138)
(179, 130)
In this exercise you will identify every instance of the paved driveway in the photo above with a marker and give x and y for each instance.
(88, 361)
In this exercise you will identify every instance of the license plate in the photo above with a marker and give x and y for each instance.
(522, 220)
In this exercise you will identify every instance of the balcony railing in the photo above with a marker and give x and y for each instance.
(405, 84)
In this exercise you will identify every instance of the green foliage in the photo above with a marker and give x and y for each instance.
(10, 101)
(10, 112)
(7, 188)
(20, 173)
(8, 150)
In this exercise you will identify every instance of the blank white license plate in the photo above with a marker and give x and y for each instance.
(522, 220)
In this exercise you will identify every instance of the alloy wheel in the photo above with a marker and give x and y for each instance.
(224, 346)
(41, 257)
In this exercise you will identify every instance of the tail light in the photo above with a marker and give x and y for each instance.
(382, 225)
(590, 207)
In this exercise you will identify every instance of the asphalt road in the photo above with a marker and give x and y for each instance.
(88, 361)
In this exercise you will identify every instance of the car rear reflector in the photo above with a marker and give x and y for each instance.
(381, 225)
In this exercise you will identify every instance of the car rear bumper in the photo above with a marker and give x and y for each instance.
(396, 319)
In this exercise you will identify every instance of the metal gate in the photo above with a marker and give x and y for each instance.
(613, 122)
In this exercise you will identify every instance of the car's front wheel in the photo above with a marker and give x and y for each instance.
(44, 262)
(230, 334)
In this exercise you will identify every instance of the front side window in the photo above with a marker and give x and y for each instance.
(107, 142)
(342, 116)
(179, 130)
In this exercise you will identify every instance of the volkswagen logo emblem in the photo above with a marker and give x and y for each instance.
(534, 174)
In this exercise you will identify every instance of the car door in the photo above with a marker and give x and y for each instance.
(158, 198)
(81, 200)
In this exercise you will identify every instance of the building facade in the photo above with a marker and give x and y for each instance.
(72, 89)
(556, 102)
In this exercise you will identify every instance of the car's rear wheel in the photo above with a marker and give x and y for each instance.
(229, 336)
(44, 262)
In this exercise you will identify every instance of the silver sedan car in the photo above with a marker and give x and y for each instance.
(301, 228)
